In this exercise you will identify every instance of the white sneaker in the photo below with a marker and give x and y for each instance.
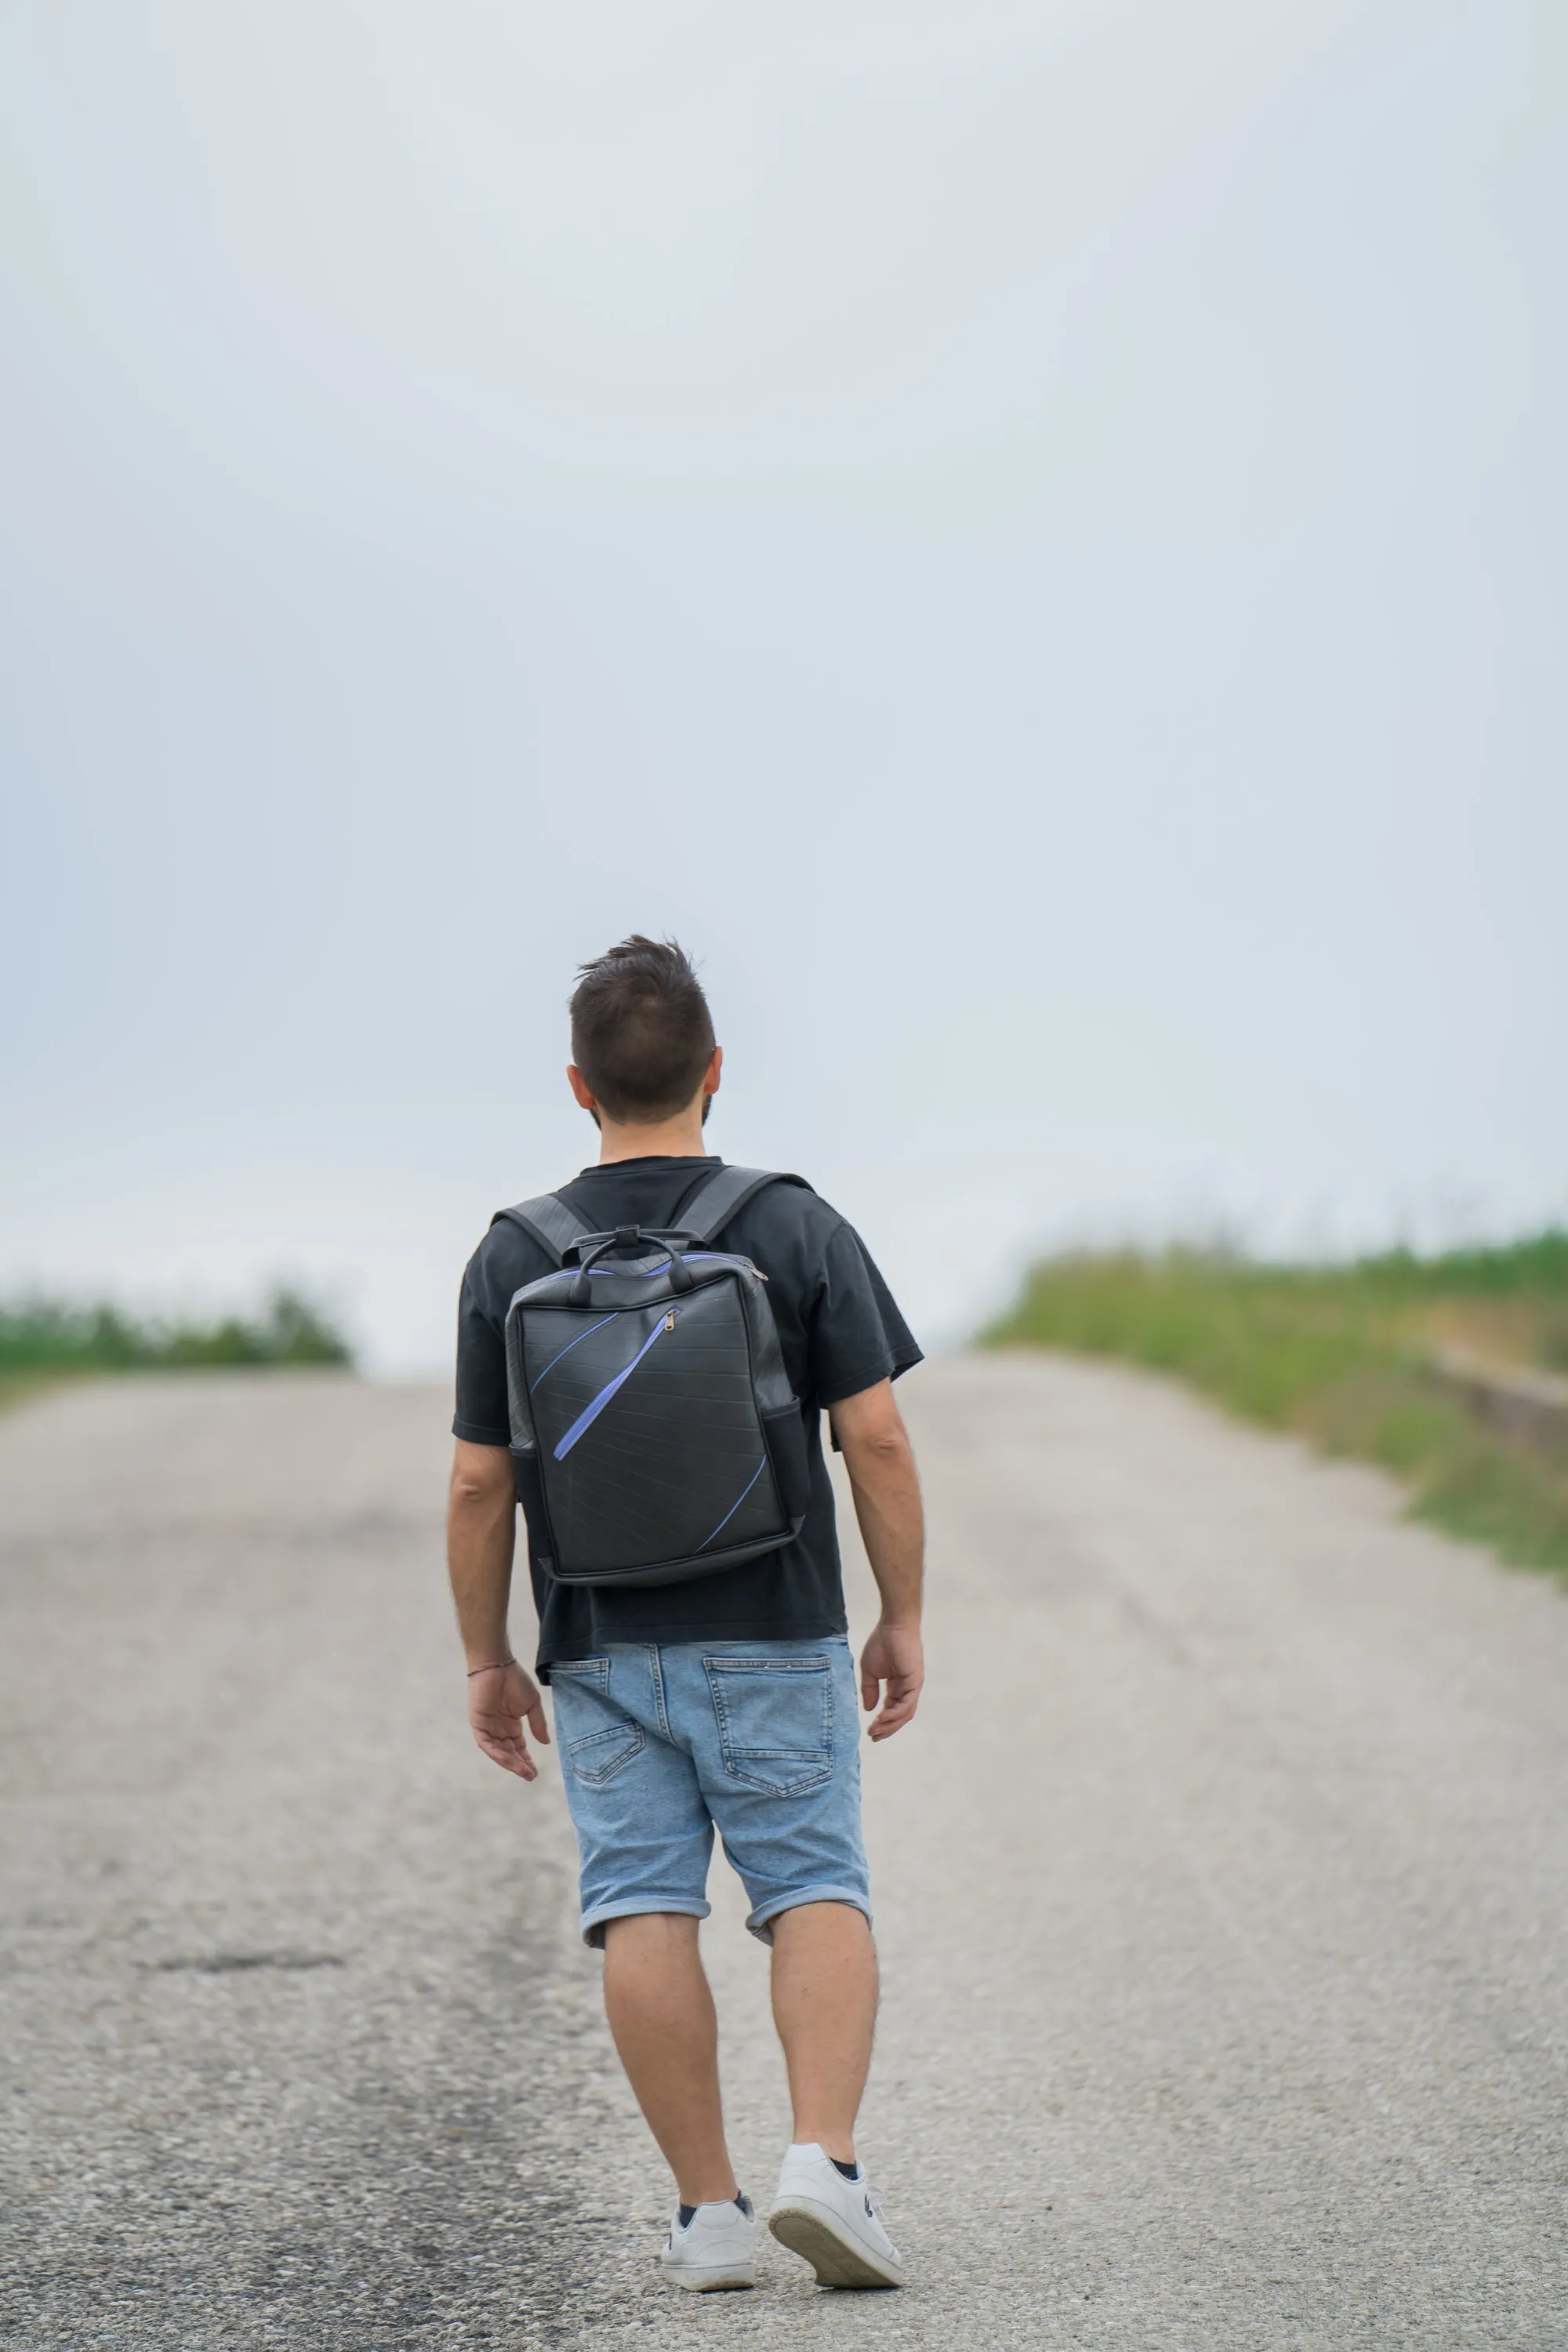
(716, 2249)
(836, 2224)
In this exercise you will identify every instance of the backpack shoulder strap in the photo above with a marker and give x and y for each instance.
(547, 1220)
(719, 1196)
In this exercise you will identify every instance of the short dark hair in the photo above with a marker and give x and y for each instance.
(641, 1030)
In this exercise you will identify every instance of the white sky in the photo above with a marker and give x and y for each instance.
(1030, 537)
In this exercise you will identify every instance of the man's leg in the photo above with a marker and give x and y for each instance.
(661, 2015)
(824, 2006)
(824, 2000)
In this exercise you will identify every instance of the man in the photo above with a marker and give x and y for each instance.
(723, 1703)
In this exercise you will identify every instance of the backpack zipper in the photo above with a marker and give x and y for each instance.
(590, 1413)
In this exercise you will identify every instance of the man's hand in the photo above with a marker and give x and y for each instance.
(500, 1700)
(893, 1657)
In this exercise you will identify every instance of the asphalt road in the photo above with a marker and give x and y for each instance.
(1222, 1888)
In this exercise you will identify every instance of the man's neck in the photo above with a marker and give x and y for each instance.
(670, 1139)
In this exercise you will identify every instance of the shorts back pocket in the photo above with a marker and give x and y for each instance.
(776, 1720)
(597, 1739)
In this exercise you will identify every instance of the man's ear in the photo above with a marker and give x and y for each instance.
(580, 1087)
(712, 1074)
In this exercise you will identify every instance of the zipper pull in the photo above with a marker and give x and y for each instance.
(669, 1320)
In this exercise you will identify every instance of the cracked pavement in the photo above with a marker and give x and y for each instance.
(1222, 1891)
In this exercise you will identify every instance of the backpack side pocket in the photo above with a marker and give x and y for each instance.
(785, 1437)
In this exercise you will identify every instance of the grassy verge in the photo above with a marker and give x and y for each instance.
(1342, 1355)
(43, 1342)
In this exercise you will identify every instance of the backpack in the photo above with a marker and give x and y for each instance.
(655, 1436)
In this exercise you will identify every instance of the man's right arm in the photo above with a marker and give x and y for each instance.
(481, 1525)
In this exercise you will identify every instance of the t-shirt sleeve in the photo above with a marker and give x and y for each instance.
(857, 1335)
(481, 1416)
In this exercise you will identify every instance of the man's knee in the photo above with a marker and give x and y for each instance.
(831, 1921)
(650, 1932)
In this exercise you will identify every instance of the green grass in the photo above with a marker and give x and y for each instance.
(1342, 1355)
(43, 1342)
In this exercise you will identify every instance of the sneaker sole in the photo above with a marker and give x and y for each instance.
(711, 2281)
(810, 2231)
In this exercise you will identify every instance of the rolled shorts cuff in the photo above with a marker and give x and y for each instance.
(760, 1922)
(635, 1907)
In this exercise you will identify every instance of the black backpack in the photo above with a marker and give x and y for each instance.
(654, 1433)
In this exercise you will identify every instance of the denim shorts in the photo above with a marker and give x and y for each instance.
(663, 1742)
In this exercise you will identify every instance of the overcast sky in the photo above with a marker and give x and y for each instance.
(1029, 537)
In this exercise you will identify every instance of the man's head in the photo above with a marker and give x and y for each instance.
(642, 1037)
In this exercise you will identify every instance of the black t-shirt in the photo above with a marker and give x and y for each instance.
(840, 1333)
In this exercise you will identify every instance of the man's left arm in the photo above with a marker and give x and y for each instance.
(886, 1489)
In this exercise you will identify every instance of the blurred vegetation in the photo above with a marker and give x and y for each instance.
(42, 1340)
(1346, 1355)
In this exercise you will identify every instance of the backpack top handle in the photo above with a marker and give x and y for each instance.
(580, 1293)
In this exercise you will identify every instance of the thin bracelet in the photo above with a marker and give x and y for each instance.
(492, 1669)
